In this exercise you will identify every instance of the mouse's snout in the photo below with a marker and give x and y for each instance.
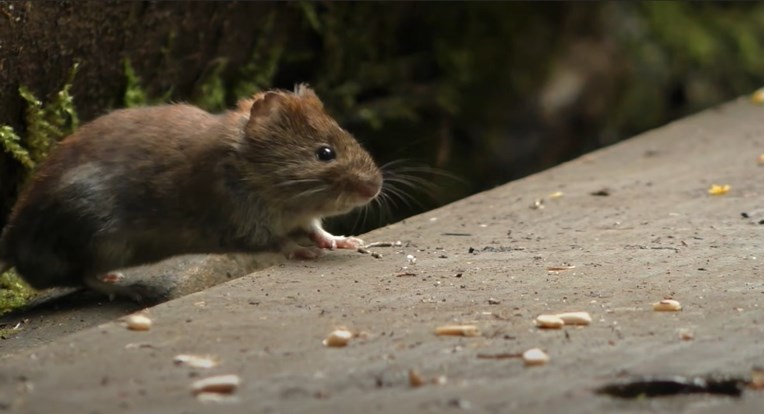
(368, 188)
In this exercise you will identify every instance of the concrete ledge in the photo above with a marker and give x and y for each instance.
(484, 260)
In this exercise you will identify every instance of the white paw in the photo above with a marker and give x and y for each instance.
(327, 241)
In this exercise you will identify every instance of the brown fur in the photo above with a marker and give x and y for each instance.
(139, 185)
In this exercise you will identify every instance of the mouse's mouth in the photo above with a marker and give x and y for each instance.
(366, 191)
(354, 196)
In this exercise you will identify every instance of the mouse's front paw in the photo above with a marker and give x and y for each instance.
(331, 242)
(352, 243)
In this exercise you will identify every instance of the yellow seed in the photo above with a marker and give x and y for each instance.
(338, 338)
(575, 318)
(757, 97)
(220, 384)
(667, 305)
(458, 330)
(138, 323)
(549, 322)
(415, 379)
(535, 356)
(716, 189)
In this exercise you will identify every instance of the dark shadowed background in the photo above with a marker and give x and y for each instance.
(485, 92)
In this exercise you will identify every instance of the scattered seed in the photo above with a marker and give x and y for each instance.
(195, 361)
(411, 259)
(667, 305)
(338, 338)
(538, 204)
(415, 378)
(506, 355)
(535, 356)
(716, 189)
(575, 318)
(549, 322)
(756, 381)
(458, 330)
(560, 268)
(212, 397)
(138, 323)
(364, 250)
(396, 243)
(134, 345)
(757, 97)
(219, 384)
(685, 334)
(557, 194)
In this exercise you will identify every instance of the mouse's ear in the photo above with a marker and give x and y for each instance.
(303, 91)
(265, 106)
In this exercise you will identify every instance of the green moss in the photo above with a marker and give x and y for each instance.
(258, 73)
(134, 93)
(46, 124)
(14, 293)
(210, 93)
(12, 144)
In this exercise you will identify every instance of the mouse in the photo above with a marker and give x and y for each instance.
(139, 185)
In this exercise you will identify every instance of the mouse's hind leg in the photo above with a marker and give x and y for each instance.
(105, 284)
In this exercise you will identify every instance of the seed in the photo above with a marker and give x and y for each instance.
(195, 361)
(549, 322)
(575, 318)
(338, 338)
(458, 330)
(667, 305)
(685, 334)
(220, 384)
(717, 189)
(535, 356)
(415, 379)
(138, 323)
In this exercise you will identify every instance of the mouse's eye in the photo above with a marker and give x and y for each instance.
(325, 153)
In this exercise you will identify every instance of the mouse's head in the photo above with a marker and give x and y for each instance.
(299, 157)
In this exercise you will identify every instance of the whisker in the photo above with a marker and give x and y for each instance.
(300, 181)
(310, 192)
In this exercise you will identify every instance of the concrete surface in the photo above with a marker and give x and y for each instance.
(57, 312)
(484, 260)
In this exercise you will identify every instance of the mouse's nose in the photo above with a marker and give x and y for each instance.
(370, 187)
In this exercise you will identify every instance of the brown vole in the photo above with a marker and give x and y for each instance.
(140, 185)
